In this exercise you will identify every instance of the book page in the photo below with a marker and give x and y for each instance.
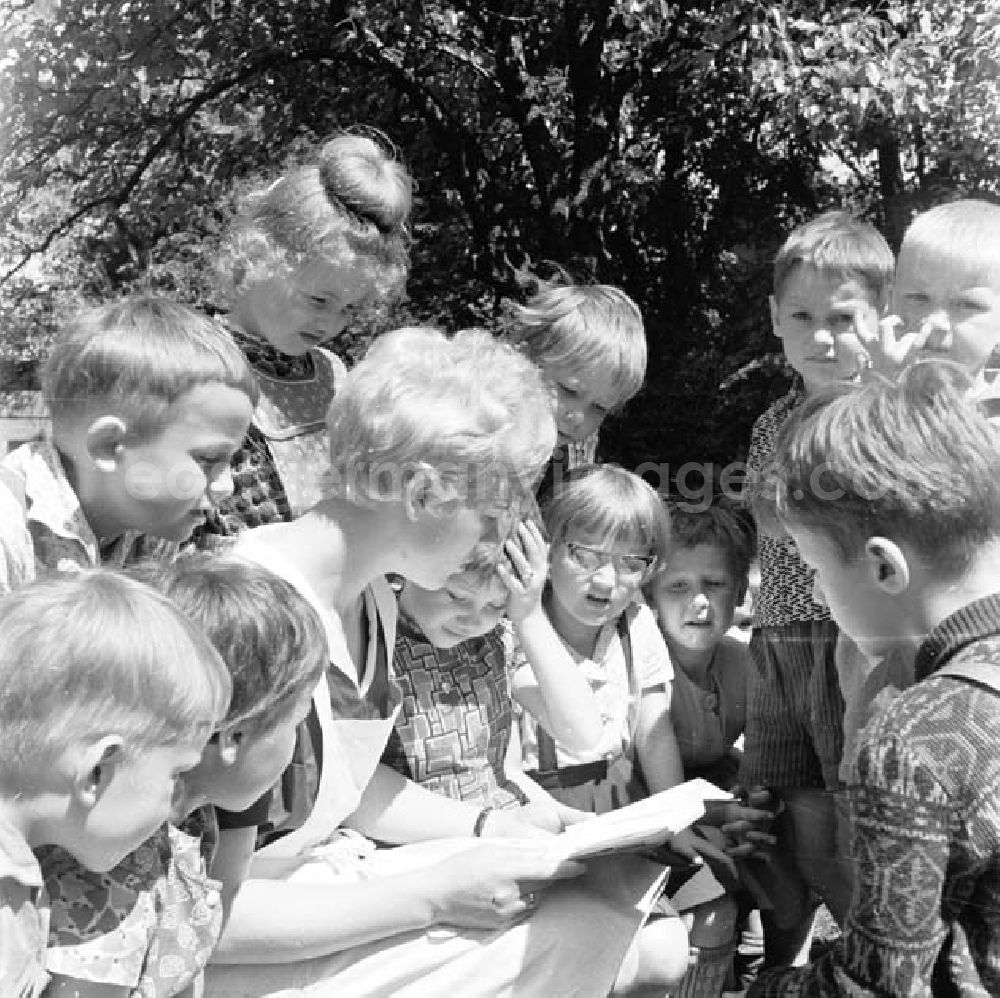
(647, 822)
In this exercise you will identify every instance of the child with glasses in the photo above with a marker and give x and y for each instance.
(608, 532)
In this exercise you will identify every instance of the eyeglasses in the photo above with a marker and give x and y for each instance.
(626, 566)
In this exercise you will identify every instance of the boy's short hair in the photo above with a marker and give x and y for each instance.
(967, 230)
(723, 524)
(607, 501)
(270, 638)
(94, 653)
(914, 460)
(838, 243)
(351, 206)
(594, 329)
(139, 355)
(469, 415)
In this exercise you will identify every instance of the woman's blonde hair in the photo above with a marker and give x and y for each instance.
(94, 653)
(606, 501)
(468, 414)
(594, 330)
(351, 206)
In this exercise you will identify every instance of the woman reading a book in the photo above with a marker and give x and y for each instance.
(470, 903)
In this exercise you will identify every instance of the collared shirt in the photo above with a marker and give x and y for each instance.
(149, 924)
(925, 801)
(43, 528)
(24, 917)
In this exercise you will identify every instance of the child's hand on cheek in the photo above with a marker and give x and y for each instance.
(524, 571)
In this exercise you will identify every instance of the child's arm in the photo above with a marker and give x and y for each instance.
(542, 808)
(231, 862)
(396, 810)
(656, 745)
(557, 693)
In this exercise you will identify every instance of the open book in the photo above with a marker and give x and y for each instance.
(645, 823)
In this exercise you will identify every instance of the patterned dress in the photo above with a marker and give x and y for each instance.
(925, 800)
(454, 725)
(278, 471)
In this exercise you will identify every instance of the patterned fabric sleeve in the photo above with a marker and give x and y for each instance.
(149, 924)
(904, 821)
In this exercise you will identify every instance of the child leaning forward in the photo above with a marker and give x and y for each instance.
(109, 694)
(147, 926)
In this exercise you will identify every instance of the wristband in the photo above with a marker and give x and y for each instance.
(477, 828)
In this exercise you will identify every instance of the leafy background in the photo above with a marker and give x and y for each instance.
(662, 147)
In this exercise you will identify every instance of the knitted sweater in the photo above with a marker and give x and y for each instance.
(925, 796)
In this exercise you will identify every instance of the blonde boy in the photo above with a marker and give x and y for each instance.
(590, 343)
(148, 401)
(109, 694)
(946, 293)
(891, 491)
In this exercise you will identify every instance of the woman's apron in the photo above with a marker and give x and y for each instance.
(351, 747)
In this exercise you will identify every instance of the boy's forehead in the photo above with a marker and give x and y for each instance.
(702, 555)
(805, 281)
(594, 380)
(968, 265)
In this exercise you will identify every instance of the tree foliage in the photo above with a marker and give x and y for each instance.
(665, 147)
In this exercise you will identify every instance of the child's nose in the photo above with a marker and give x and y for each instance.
(937, 329)
(606, 575)
(701, 604)
(824, 340)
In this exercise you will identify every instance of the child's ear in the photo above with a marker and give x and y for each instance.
(105, 439)
(890, 569)
(422, 495)
(227, 744)
(95, 767)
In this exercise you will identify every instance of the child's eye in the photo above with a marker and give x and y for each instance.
(567, 390)
(973, 305)
(677, 587)
(802, 316)
(916, 297)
